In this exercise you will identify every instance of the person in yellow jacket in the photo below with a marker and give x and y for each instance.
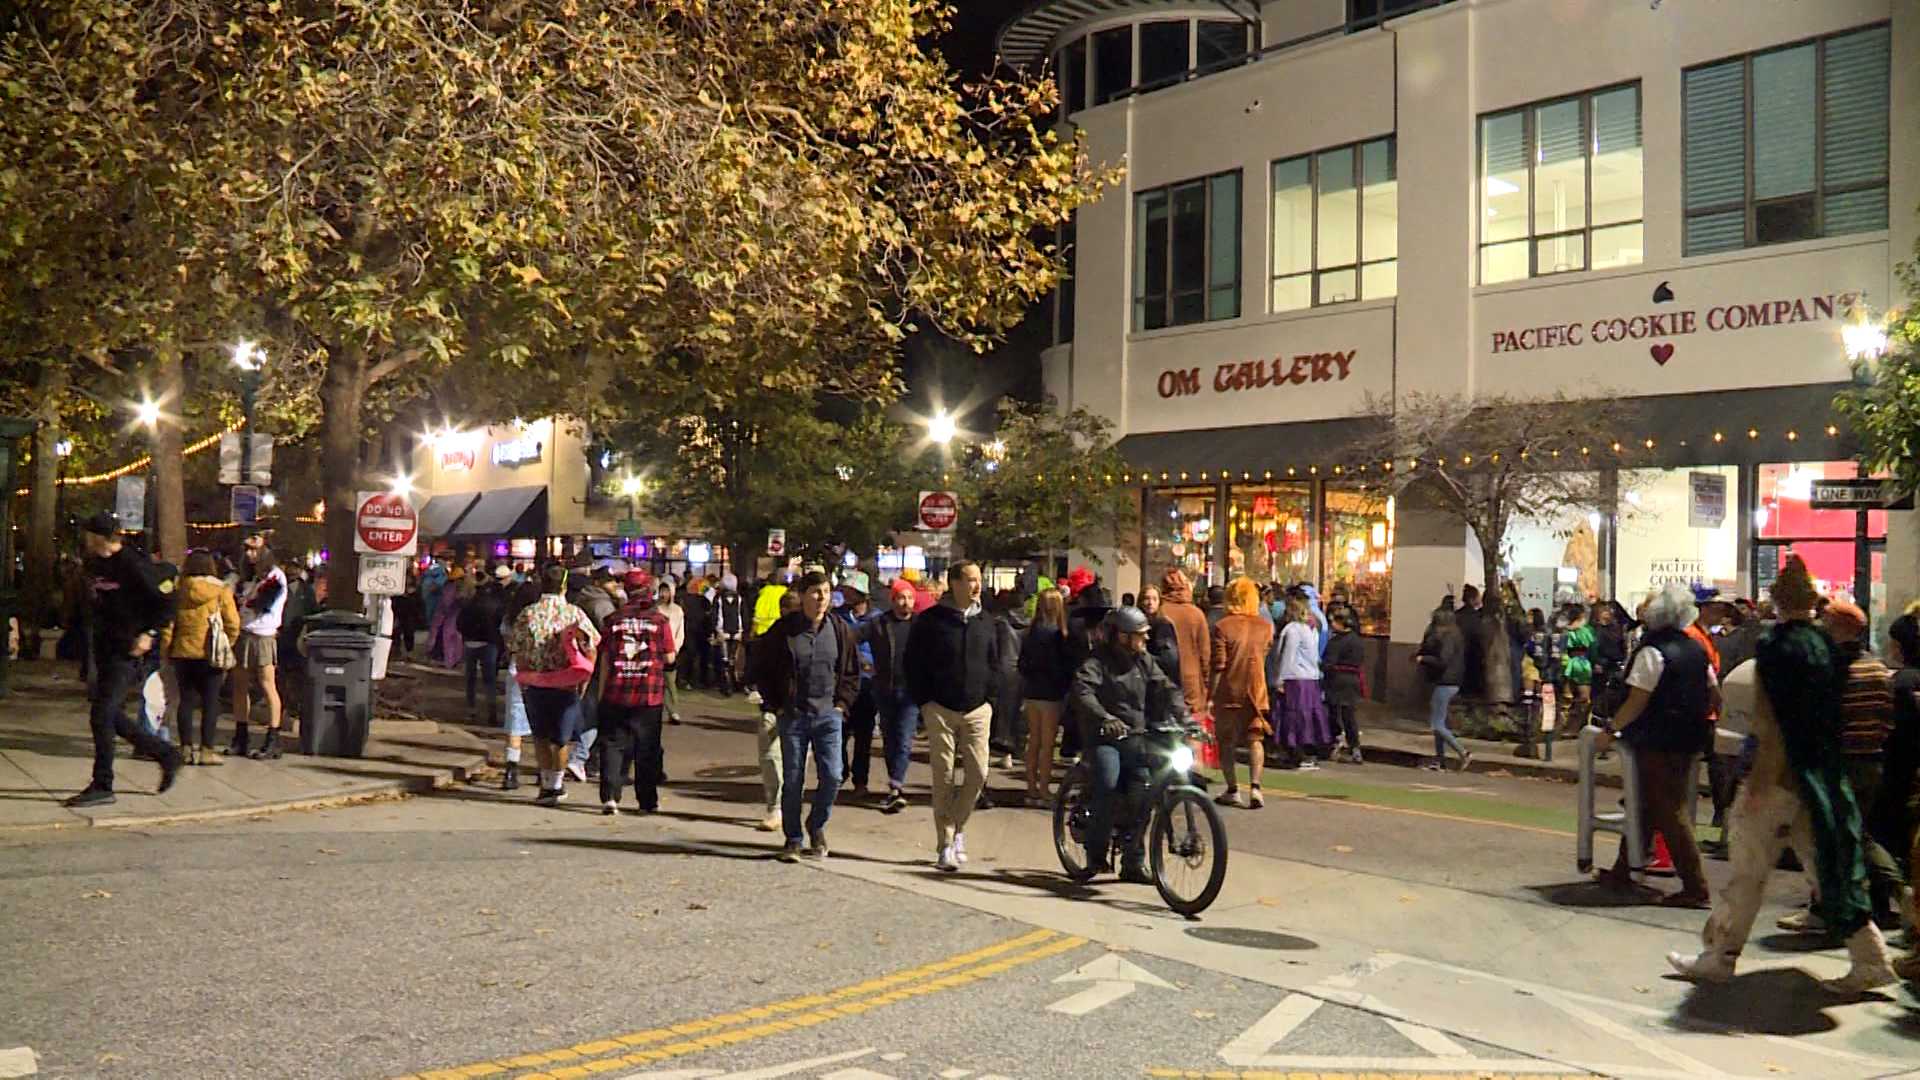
(766, 606)
(202, 596)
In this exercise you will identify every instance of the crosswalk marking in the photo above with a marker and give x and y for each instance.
(1426, 1038)
(19, 1061)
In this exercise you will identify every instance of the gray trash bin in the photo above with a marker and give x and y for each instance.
(339, 699)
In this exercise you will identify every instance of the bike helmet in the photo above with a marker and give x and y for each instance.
(1127, 620)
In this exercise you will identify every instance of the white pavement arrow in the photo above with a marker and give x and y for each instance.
(1112, 977)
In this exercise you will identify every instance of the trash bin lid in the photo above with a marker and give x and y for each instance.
(337, 620)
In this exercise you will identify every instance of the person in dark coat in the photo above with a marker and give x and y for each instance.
(1443, 659)
(1341, 682)
(1163, 645)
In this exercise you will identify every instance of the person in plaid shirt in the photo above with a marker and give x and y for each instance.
(636, 658)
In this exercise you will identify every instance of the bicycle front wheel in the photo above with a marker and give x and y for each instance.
(1072, 811)
(1187, 848)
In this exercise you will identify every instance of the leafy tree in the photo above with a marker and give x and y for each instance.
(1049, 481)
(547, 198)
(1490, 460)
(834, 478)
(1883, 408)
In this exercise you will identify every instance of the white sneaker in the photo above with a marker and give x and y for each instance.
(960, 848)
(1711, 967)
(753, 697)
(770, 823)
(610, 808)
(577, 770)
(1803, 921)
(946, 861)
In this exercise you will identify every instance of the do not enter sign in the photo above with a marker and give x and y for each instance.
(384, 524)
(939, 511)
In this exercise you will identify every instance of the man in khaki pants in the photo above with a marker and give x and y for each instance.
(952, 664)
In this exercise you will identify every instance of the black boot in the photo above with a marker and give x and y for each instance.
(238, 747)
(511, 781)
(269, 749)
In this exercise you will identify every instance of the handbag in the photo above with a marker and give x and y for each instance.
(219, 650)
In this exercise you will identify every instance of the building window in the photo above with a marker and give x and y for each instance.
(1073, 78)
(1178, 533)
(1218, 44)
(1112, 63)
(1356, 555)
(1845, 550)
(1677, 526)
(1186, 253)
(1561, 186)
(1165, 51)
(1789, 144)
(1063, 296)
(1270, 533)
(1364, 13)
(1336, 234)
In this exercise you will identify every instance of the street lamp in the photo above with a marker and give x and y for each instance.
(402, 486)
(249, 358)
(147, 413)
(942, 428)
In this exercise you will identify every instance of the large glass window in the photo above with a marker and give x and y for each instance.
(1557, 559)
(1356, 554)
(1112, 63)
(1270, 533)
(1073, 77)
(1845, 550)
(1063, 296)
(1788, 144)
(1335, 226)
(1218, 43)
(1561, 186)
(1186, 253)
(1677, 526)
(1179, 531)
(1164, 51)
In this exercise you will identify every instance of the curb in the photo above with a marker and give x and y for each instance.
(384, 789)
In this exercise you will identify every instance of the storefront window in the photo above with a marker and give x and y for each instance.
(1356, 554)
(1783, 511)
(1270, 533)
(1678, 526)
(1179, 532)
(1557, 560)
(1786, 524)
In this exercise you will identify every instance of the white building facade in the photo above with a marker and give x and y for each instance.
(1330, 205)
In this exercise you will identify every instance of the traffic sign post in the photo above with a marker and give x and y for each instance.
(939, 511)
(383, 575)
(245, 504)
(1870, 494)
(777, 543)
(384, 523)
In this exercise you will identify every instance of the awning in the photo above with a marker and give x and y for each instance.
(1788, 423)
(520, 511)
(442, 512)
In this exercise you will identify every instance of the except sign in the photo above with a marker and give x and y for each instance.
(939, 511)
(384, 524)
(383, 575)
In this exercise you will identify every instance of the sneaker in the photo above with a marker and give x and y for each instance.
(1309, 765)
(1710, 967)
(770, 823)
(1466, 759)
(577, 770)
(169, 770)
(753, 697)
(610, 808)
(1229, 797)
(960, 848)
(944, 861)
(1256, 798)
(673, 719)
(895, 802)
(1133, 873)
(789, 852)
(1356, 758)
(92, 796)
(559, 795)
(1433, 766)
(547, 797)
(817, 844)
(211, 756)
(1803, 921)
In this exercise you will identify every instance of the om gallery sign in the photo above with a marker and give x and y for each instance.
(1280, 371)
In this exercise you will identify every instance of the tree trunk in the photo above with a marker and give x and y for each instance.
(342, 393)
(43, 531)
(169, 527)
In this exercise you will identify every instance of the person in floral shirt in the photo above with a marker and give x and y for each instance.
(553, 645)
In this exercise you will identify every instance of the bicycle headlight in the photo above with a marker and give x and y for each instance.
(1182, 760)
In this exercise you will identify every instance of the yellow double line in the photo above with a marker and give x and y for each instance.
(746, 1025)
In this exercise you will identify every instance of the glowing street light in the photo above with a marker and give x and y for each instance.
(248, 357)
(402, 486)
(269, 500)
(147, 413)
(1864, 340)
(631, 486)
(942, 428)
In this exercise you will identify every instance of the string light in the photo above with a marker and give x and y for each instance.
(1649, 443)
(1719, 436)
(1793, 436)
(140, 463)
(1752, 433)
(1832, 430)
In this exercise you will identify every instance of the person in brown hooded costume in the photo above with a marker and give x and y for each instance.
(1191, 632)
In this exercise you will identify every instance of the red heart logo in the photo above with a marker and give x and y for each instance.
(1662, 353)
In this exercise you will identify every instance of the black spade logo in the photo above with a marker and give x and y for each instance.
(1662, 294)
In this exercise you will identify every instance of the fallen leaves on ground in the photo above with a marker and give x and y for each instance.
(696, 906)
(329, 851)
(1203, 1014)
(1343, 849)
(487, 911)
(1270, 901)
(96, 894)
(1408, 898)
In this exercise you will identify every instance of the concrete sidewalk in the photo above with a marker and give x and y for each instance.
(46, 754)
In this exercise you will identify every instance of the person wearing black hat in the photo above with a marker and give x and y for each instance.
(131, 604)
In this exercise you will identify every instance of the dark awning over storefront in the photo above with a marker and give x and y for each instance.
(520, 511)
(442, 512)
(1773, 424)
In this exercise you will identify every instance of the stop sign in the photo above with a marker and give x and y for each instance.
(939, 510)
(384, 524)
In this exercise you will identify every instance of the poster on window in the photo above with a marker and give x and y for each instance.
(1708, 507)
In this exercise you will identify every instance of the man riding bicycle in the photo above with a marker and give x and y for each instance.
(1118, 696)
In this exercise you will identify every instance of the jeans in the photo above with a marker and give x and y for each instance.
(108, 716)
(631, 738)
(197, 678)
(860, 724)
(1443, 739)
(483, 658)
(823, 734)
(1108, 765)
(956, 737)
(769, 755)
(899, 719)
